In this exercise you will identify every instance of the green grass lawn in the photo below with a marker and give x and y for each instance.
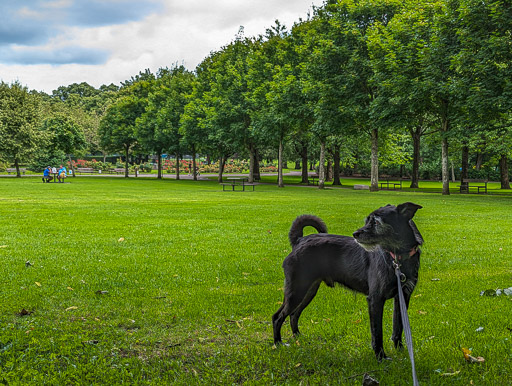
(141, 281)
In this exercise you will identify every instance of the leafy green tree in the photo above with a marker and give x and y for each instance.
(346, 93)
(396, 53)
(486, 75)
(64, 135)
(157, 129)
(117, 129)
(227, 105)
(19, 117)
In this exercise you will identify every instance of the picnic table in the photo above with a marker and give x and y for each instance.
(392, 184)
(234, 182)
(313, 179)
(85, 170)
(470, 183)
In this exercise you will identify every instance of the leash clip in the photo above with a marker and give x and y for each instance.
(396, 266)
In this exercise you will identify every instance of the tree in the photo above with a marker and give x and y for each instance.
(64, 135)
(157, 129)
(341, 73)
(402, 101)
(19, 117)
(117, 126)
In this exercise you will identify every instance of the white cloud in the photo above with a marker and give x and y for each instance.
(179, 32)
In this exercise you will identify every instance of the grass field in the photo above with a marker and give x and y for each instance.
(140, 281)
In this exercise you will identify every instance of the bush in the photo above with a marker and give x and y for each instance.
(96, 165)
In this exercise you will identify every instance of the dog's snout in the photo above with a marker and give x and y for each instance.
(356, 234)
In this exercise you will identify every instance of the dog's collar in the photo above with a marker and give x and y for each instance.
(398, 256)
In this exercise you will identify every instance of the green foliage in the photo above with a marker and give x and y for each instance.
(19, 117)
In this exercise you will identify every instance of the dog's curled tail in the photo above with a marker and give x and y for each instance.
(296, 231)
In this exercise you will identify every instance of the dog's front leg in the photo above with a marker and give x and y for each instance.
(398, 327)
(376, 308)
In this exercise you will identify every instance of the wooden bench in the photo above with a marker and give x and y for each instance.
(237, 182)
(118, 170)
(312, 179)
(85, 170)
(13, 170)
(477, 184)
(391, 184)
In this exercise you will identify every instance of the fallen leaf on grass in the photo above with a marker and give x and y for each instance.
(3, 246)
(450, 374)
(469, 358)
(91, 342)
(71, 308)
(298, 365)
(38, 284)
(120, 240)
(422, 312)
(100, 292)
(69, 288)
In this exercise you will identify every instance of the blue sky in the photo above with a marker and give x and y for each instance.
(45, 44)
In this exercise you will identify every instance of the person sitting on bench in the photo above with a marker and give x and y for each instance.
(62, 174)
(47, 174)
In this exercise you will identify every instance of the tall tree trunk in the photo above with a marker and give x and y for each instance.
(321, 170)
(328, 171)
(194, 163)
(374, 185)
(222, 162)
(127, 150)
(177, 166)
(71, 165)
(505, 180)
(479, 160)
(336, 172)
(256, 166)
(251, 163)
(17, 166)
(416, 141)
(464, 163)
(297, 165)
(280, 182)
(304, 157)
(159, 163)
(445, 167)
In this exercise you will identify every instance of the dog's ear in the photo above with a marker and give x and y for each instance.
(417, 234)
(408, 209)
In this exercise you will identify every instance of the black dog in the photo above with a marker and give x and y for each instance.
(363, 263)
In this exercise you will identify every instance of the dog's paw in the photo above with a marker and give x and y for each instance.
(381, 357)
(280, 344)
(398, 344)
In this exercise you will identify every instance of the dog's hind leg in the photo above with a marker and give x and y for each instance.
(293, 297)
(294, 317)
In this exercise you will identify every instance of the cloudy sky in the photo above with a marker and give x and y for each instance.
(45, 44)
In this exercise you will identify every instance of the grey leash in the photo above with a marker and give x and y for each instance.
(405, 320)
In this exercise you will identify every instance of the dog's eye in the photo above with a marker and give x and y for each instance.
(378, 221)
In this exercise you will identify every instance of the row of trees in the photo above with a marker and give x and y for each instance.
(358, 80)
